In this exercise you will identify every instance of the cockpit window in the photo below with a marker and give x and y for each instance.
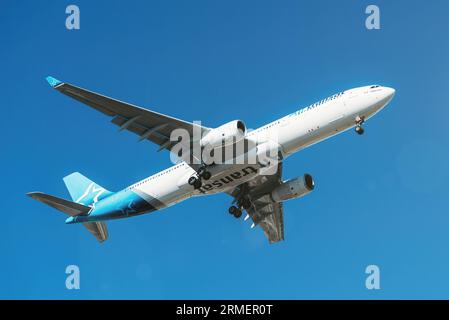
(376, 86)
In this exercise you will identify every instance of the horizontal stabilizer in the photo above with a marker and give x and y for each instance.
(98, 229)
(68, 207)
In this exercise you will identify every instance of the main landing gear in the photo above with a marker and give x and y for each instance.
(196, 180)
(236, 212)
(203, 173)
(358, 128)
(243, 203)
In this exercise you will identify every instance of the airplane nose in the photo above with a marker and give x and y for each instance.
(390, 92)
(387, 94)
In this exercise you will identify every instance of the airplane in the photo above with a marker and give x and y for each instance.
(261, 194)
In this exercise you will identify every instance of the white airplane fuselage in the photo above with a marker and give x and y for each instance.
(293, 133)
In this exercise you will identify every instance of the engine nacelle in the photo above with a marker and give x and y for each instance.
(294, 188)
(224, 135)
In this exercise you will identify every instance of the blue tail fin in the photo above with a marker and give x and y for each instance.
(84, 191)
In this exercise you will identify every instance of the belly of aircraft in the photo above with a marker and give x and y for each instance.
(229, 178)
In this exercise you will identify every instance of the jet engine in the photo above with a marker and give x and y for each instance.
(294, 188)
(226, 134)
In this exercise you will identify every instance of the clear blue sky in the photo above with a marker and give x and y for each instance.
(380, 199)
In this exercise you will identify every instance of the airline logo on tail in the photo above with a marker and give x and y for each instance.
(83, 190)
(94, 192)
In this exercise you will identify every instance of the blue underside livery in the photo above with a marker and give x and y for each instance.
(122, 204)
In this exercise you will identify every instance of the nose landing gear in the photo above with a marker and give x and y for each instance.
(358, 128)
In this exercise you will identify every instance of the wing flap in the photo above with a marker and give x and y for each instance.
(273, 223)
(269, 216)
(141, 130)
(264, 212)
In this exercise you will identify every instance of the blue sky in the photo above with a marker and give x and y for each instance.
(380, 199)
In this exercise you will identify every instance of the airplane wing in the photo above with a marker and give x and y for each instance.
(264, 211)
(147, 124)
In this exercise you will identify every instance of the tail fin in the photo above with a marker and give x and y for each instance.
(84, 191)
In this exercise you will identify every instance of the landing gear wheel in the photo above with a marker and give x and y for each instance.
(198, 184)
(201, 170)
(192, 180)
(203, 173)
(206, 175)
(195, 182)
(359, 129)
(236, 212)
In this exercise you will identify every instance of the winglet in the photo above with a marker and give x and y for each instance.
(52, 81)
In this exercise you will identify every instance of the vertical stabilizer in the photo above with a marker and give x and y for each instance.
(83, 190)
